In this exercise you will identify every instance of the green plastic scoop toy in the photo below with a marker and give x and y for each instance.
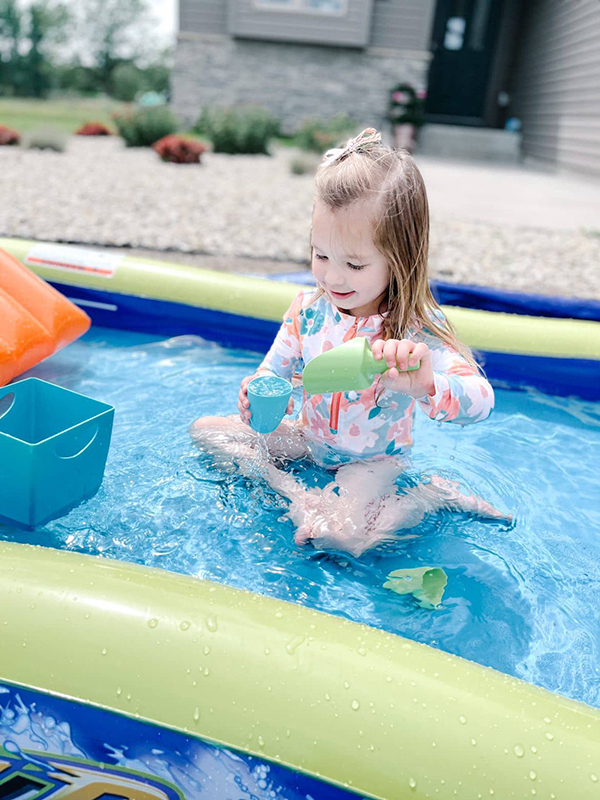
(348, 367)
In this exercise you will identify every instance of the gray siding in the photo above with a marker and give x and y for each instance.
(557, 83)
(203, 16)
(393, 24)
(402, 24)
(350, 29)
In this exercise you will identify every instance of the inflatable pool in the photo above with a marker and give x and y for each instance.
(119, 680)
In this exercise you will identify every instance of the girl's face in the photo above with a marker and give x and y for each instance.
(345, 261)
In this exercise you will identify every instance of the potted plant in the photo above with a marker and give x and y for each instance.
(406, 112)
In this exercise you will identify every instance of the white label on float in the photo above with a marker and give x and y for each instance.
(78, 260)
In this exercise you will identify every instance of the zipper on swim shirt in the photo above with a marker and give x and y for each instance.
(336, 397)
(334, 413)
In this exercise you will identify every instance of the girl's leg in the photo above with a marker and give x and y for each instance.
(228, 438)
(342, 519)
(358, 523)
(407, 510)
(441, 493)
(233, 444)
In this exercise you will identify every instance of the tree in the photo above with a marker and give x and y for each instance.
(11, 24)
(47, 30)
(28, 41)
(115, 33)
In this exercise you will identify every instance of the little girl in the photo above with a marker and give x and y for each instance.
(370, 240)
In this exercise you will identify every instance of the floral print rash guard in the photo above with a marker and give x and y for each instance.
(373, 423)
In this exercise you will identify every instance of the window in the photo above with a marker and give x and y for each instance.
(328, 7)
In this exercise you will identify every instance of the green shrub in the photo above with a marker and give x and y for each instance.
(46, 137)
(145, 126)
(126, 82)
(238, 130)
(304, 165)
(317, 136)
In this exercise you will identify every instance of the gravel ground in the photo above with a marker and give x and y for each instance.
(250, 214)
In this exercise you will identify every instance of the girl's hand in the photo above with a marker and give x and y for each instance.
(399, 354)
(244, 403)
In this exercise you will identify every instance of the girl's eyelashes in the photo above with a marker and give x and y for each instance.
(348, 264)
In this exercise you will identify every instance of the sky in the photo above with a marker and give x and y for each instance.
(166, 12)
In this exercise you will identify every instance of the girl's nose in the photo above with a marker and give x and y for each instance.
(334, 275)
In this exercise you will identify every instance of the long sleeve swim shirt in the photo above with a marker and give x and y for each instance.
(373, 423)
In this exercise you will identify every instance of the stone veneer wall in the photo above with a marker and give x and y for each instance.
(294, 81)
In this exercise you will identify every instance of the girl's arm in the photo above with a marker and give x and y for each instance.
(286, 352)
(462, 394)
(446, 386)
(282, 358)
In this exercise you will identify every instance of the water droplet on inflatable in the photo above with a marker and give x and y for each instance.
(355, 705)
(206, 650)
(362, 651)
(119, 691)
(278, 615)
(462, 719)
(104, 651)
(185, 625)
(533, 775)
(211, 624)
(261, 741)
(594, 778)
(196, 714)
(293, 645)
(519, 751)
(412, 783)
(473, 742)
(152, 623)
(327, 696)
(346, 685)
(549, 736)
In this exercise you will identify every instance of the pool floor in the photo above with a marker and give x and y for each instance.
(523, 599)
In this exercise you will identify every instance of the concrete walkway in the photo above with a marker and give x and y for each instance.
(518, 196)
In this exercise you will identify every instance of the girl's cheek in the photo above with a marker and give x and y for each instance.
(318, 270)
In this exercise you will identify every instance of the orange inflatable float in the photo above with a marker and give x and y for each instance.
(35, 319)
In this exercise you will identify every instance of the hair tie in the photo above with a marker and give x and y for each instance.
(368, 136)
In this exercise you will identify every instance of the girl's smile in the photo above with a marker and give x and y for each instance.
(340, 295)
(345, 262)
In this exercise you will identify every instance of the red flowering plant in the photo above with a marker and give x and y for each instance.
(8, 136)
(178, 150)
(93, 129)
(407, 105)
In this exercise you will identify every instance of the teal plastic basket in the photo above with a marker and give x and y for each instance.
(53, 449)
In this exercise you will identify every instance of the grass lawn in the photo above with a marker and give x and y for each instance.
(68, 114)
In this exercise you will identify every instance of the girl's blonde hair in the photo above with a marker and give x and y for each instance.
(366, 170)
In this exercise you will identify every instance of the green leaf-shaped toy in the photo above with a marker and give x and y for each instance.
(427, 584)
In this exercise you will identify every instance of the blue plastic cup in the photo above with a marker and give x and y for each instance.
(269, 396)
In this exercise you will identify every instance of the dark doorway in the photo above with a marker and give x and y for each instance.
(463, 44)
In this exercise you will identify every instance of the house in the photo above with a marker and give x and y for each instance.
(481, 62)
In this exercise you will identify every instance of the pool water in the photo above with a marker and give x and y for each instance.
(523, 599)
